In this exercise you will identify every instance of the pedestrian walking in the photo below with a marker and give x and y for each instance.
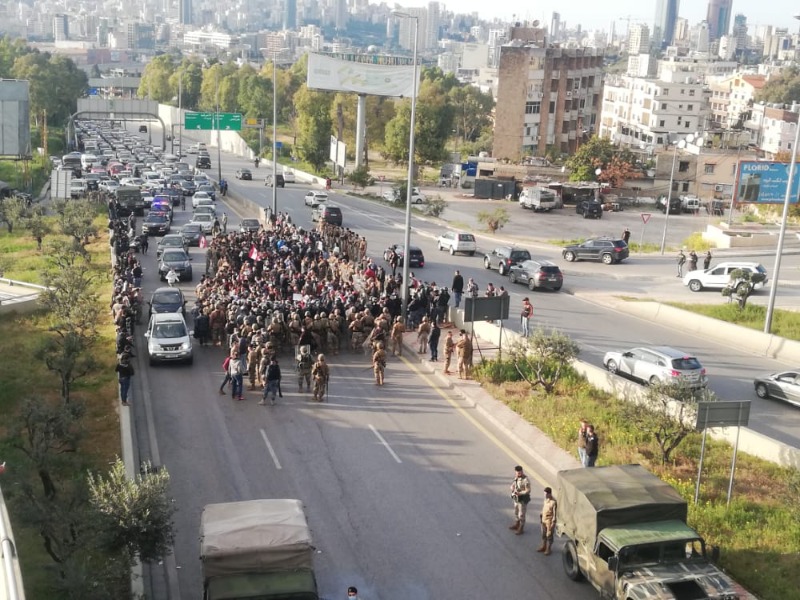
(681, 258)
(124, 370)
(692, 261)
(379, 363)
(433, 341)
(225, 367)
(582, 442)
(457, 287)
(449, 348)
(224, 223)
(527, 313)
(172, 278)
(547, 520)
(272, 386)
(592, 446)
(144, 242)
(707, 260)
(521, 495)
(626, 235)
(321, 374)
(236, 368)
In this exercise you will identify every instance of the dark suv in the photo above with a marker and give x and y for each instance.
(537, 273)
(503, 257)
(327, 214)
(604, 249)
(589, 209)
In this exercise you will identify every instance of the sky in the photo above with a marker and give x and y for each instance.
(594, 14)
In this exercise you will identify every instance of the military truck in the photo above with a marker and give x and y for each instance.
(130, 200)
(627, 535)
(257, 549)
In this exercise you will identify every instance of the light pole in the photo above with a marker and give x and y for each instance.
(409, 190)
(219, 137)
(787, 200)
(274, 136)
(679, 146)
(180, 110)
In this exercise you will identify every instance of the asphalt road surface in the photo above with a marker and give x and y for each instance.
(406, 489)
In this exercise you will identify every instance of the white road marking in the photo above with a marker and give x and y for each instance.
(385, 444)
(271, 450)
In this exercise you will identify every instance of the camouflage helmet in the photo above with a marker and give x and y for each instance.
(321, 357)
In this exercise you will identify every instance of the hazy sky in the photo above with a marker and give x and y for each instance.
(599, 14)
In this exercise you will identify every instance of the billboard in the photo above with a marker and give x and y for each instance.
(327, 73)
(764, 182)
(15, 115)
(338, 152)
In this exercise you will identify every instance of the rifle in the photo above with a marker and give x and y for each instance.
(280, 393)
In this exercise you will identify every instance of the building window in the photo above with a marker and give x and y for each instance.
(683, 166)
(685, 186)
(552, 107)
(688, 124)
(683, 91)
(663, 106)
(665, 92)
(533, 108)
(709, 168)
(660, 140)
(690, 107)
(662, 123)
(691, 92)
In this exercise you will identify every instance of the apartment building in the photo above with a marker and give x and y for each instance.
(547, 97)
(732, 97)
(640, 113)
(772, 128)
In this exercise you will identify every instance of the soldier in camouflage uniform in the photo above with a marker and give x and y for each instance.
(379, 363)
(304, 365)
(321, 373)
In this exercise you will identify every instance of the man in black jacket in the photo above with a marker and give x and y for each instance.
(458, 288)
(273, 381)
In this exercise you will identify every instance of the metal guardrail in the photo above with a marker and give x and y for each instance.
(10, 575)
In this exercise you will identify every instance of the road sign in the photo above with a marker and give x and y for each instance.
(208, 121)
(645, 218)
(279, 145)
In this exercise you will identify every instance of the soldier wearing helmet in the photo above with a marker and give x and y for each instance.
(321, 374)
(305, 362)
(379, 363)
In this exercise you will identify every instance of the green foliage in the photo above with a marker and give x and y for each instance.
(136, 514)
(314, 126)
(472, 110)
(783, 88)
(255, 96)
(599, 153)
(13, 212)
(156, 79)
(436, 206)
(360, 177)
(494, 220)
(543, 357)
(741, 286)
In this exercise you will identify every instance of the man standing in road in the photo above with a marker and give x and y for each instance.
(592, 446)
(458, 288)
(547, 519)
(273, 382)
(321, 374)
(464, 350)
(521, 495)
(304, 365)
(681, 258)
(398, 329)
(707, 260)
(626, 235)
(527, 313)
(379, 363)
(224, 223)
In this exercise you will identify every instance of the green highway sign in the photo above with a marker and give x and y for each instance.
(208, 121)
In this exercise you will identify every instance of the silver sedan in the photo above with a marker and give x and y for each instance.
(784, 385)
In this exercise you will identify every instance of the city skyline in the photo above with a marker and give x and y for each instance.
(593, 15)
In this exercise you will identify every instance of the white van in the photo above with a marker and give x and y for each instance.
(88, 161)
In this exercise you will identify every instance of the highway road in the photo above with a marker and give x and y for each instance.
(406, 488)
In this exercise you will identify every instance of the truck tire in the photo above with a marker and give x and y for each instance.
(569, 558)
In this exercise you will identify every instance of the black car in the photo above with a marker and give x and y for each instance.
(155, 224)
(188, 188)
(327, 214)
(249, 225)
(167, 300)
(416, 257)
(589, 209)
(171, 240)
(503, 257)
(192, 233)
(244, 174)
(675, 205)
(203, 162)
(537, 273)
(178, 260)
(279, 178)
(607, 250)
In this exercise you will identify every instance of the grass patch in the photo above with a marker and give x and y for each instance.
(22, 261)
(647, 248)
(696, 242)
(759, 533)
(785, 323)
(24, 376)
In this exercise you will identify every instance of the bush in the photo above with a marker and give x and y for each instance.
(436, 206)
(360, 177)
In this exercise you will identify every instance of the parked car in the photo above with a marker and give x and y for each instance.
(675, 205)
(178, 260)
(457, 241)
(168, 339)
(719, 276)
(327, 214)
(279, 178)
(205, 209)
(249, 225)
(537, 273)
(244, 174)
(313, 198)
(203, 162)
(188, 188)
(201, 198)
(192, 233)
(155, 224)
(206, 188)
(606, 250)
(205, 220)
(589, 209)
(783, 385)
(503, 257)
(393, 195)
(658, 364)
(167, 300)
(288, 177)
(173, 240)
(416, 257)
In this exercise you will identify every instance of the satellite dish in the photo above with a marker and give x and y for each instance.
(536, 23)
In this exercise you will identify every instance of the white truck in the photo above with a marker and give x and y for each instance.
(538, 198)
(258, 549)
(627, 535)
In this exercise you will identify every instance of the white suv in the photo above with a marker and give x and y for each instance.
(658, 364)
(718, 276)
(168, 339)
(457, 241)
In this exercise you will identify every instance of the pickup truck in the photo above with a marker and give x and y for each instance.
(257, 549)
(627, 535)
(537, 198)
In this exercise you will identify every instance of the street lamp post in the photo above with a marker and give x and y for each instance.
(274, 136)
(679, 146)
(409, 190)
(180, 111)
(219, 137)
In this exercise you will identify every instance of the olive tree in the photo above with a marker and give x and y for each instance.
(542, 358)
(741, 285)
(494, 220)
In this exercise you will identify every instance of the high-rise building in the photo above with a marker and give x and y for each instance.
(555, 27)
(718, 18)
(340, 14)
(60, 28)
(638, 39)
(740, 32)
(665, 21)
(290, 14)
(185, 16)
